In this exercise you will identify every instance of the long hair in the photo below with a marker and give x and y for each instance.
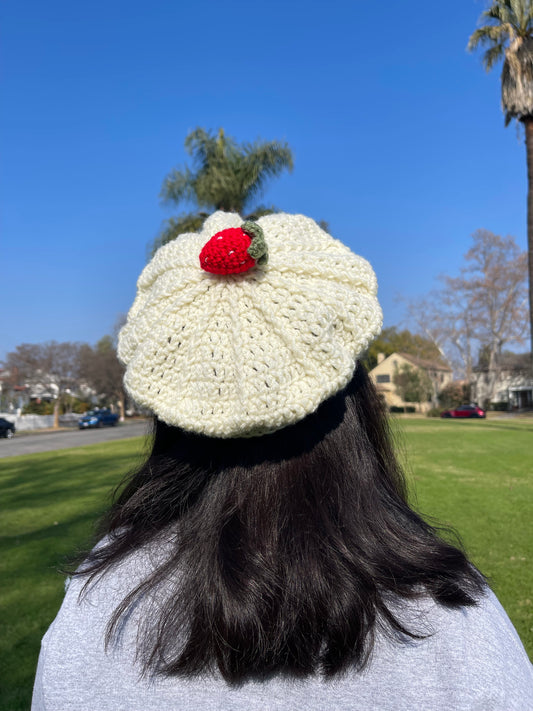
(286, 550)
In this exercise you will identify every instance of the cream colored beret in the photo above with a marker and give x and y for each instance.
(244, 354)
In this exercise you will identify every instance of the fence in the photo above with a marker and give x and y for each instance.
(39, 422)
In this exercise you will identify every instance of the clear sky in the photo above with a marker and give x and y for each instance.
(397, 132)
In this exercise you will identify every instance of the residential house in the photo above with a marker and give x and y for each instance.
(12, 396)
(511, 383)
(382, 375)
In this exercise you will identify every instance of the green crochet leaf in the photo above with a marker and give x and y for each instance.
(258, 249)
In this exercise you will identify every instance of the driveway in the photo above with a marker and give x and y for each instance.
(50, 441)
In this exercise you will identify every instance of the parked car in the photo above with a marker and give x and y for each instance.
(7, 428)
(97, 418)
(464, 411)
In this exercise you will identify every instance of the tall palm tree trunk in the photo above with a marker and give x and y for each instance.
(528, 124)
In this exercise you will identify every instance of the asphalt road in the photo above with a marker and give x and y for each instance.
(50, 441)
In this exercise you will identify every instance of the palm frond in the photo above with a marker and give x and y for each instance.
(517, 11)
(198, 143)
(499, 11)
(520, 11)
(517, 81)
(218, 185)
(225, 175)
(510, 22)
(509, 34)
(489, 34)
(177, 186)
(206, 147)
(261, 162)
(493, 55)
(517, 14)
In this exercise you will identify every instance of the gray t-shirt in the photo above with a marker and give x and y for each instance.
(473, 659)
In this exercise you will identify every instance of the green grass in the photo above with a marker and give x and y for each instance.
(476, 476)
(49, 505)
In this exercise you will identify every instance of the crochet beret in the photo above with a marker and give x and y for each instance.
(242, 329)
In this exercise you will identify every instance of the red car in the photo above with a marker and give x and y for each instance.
(464, 411)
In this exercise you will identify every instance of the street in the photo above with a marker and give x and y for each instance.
(50, 441)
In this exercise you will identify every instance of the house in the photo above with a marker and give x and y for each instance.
(383, 374)
(510, 386)
(12, 396)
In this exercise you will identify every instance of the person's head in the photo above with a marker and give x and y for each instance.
(271, 460)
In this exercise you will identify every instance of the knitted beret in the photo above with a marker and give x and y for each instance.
(224, 352)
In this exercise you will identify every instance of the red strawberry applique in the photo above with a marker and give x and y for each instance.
(234, 250)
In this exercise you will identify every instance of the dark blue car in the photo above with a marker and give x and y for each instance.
(7, 428)
(97, 418)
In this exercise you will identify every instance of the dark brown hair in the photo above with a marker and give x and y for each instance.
(288, 548)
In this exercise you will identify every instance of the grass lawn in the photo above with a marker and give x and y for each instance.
(475, 475)
(49, 503)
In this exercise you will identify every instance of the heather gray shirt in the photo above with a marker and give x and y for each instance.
(472, 660)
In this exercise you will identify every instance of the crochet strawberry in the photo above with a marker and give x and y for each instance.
(234, 250)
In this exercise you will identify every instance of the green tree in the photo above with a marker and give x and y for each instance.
(508, 34)
(454, 394)
(413, 384)
(225, 175)
(391, 341)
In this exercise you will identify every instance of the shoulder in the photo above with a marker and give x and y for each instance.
(494, 641)
(74, 662)
(474, 650)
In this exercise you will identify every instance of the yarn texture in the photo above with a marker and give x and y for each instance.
(245, 354)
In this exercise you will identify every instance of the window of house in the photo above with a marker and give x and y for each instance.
(383, 378)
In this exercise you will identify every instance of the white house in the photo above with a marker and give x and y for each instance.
(512, 383)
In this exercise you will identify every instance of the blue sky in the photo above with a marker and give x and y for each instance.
(398, 138)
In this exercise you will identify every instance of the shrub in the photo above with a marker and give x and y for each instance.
(412, 384)
(454, 394)
(502, 406)
(68, 404)
(407, 408)
(78, 406)
(434, 412)
(38, 408)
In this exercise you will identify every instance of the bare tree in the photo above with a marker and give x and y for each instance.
(486, 305)
(493, 284)
(102, 371)
(52, 366)
(445, 317)
(445, 321)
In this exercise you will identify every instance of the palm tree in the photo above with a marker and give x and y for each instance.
(508, 34)
(225, 176)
